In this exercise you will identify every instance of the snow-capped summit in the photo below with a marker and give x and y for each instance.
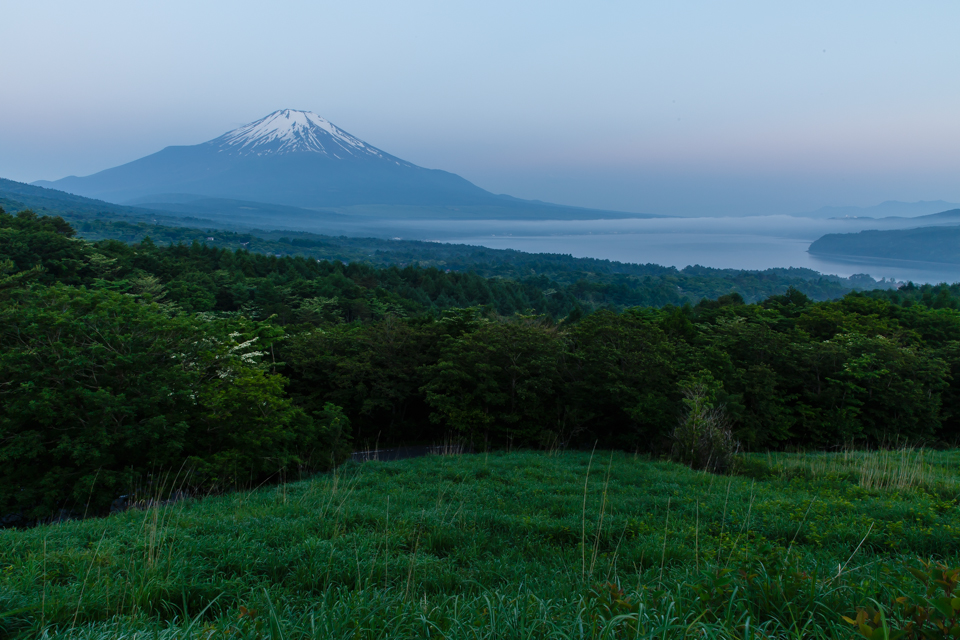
(295, 159)
(290, 131)
(292, 158)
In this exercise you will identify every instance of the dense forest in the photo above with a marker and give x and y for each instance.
(118, 361)
(925, 244)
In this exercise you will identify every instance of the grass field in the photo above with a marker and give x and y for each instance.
(508, 545)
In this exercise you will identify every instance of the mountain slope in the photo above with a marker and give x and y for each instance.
(18, 195)
(192, 211)
(296, 158)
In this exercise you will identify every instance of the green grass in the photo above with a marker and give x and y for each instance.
(512, 545)
(898, 470)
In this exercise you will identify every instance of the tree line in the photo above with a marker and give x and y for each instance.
(122, 362)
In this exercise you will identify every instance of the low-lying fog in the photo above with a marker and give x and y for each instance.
(739, 243)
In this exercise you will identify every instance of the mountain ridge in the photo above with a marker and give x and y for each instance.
(299, 159)
(886, 209)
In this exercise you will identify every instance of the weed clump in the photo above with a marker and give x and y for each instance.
(703, 439)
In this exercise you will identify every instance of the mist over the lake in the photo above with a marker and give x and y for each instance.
(749, 243)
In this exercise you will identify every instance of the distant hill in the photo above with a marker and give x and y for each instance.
(888, 209)
(926, 244)
(18, 195)
(175, 209)
(938, 218)
(298, 159)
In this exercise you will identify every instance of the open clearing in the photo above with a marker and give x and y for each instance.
(505, 545)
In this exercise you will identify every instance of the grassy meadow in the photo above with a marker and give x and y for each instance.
(501, 545)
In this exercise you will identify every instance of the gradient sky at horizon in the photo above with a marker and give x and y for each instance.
(675, 108)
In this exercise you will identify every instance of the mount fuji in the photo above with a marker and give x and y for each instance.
(299, 159)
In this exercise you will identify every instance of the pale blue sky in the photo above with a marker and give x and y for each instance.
(667, 107)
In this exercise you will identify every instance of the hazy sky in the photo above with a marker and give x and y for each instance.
(668, 107)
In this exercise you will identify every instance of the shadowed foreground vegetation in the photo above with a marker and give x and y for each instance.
(234, 367)
(509, 545)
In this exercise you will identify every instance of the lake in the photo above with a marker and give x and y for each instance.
(759, 242)
(737, 243)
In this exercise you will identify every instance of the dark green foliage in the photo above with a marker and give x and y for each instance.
(30, 241)
(933, 296)
(824, 374)
(373, 371)
(100, 389)
(96, 395)
(619, 377)
(498, 383)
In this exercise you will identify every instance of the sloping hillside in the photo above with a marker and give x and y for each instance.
(927, 244)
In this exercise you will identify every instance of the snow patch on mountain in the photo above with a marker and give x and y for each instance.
(290, 131)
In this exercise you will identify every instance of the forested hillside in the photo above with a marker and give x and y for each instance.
(925, 244)
(120, 360)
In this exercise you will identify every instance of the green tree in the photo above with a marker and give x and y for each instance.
(619, 378)
(498, 383)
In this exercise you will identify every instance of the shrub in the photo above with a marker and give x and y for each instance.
(703, 439)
